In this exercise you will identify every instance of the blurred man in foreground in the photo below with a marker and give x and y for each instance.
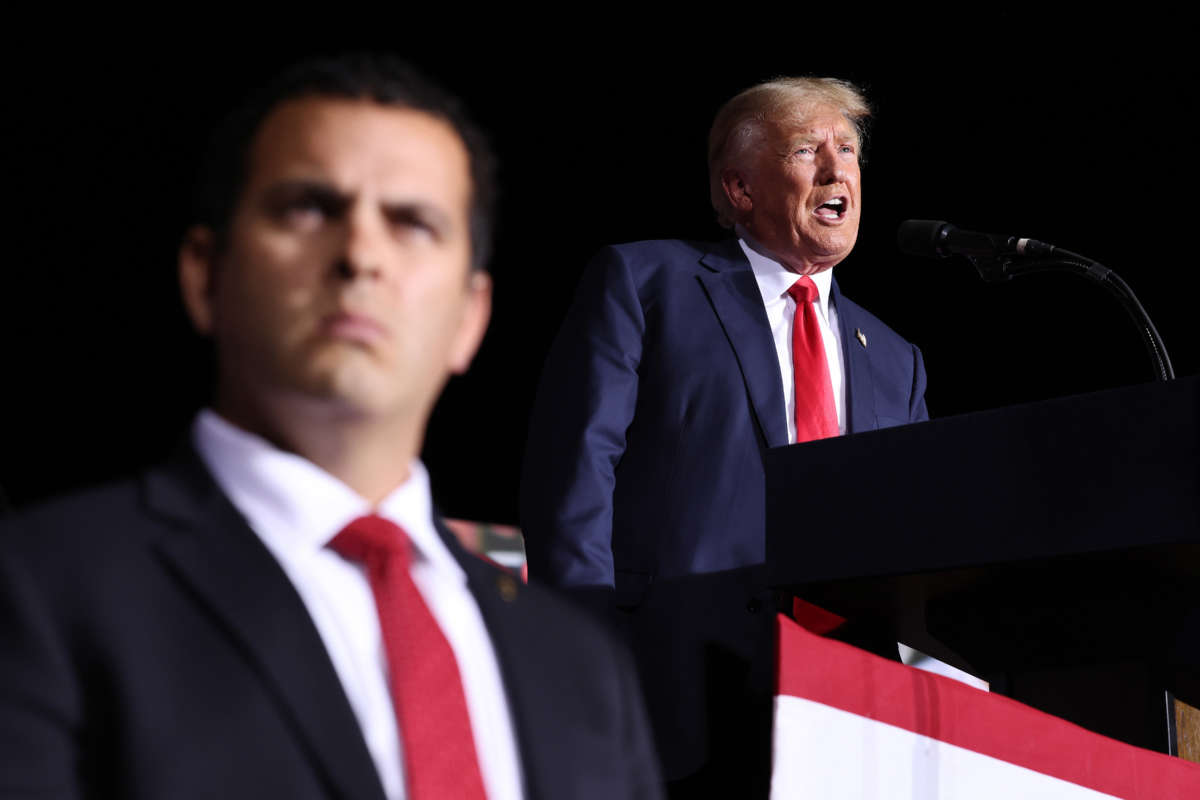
(277, 611)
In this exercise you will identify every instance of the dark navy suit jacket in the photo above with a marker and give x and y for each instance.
(151, 647)
(643, 470)
(657, 400)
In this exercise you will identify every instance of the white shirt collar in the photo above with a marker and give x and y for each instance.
(294, 505)
(774, 279)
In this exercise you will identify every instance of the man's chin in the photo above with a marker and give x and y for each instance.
(814, 263)
(827, 254)
(344, 392)
(816, 269)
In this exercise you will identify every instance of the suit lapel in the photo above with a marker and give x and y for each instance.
(860, 394)
(227, 568)
(516, 639)
(733, 292)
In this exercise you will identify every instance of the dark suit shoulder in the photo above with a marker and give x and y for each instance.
(87, 555)
(671, 256)
(661, 251)
(75, 526)
(656, 268)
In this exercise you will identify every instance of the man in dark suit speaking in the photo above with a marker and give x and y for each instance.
(277, 612)
(677, 365)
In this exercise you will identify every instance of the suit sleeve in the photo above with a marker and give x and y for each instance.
(584, 406)
(916, 409)
(38, 699)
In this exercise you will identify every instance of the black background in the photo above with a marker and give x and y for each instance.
(1072, 131)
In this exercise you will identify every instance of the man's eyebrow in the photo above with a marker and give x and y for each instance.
(814, 137)
(308, 189)
(335, 200)
(418, 211)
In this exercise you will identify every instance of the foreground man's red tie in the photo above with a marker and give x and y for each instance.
(435, 729)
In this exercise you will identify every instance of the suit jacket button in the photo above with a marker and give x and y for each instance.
(753, 606)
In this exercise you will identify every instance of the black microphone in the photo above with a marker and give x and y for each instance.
(998, 258)
(938, 239)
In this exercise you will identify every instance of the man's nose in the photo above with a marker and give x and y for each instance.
(361, 252)
(829, 167)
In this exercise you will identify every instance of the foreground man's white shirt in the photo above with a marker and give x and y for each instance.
(296, 508)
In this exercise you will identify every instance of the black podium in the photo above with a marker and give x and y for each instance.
(1052, 548)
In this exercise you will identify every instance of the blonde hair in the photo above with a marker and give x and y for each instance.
(740, 124)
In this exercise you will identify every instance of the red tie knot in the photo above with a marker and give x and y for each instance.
(372, 537)
(803, 290)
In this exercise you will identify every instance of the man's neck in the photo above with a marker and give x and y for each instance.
(810, 268)
(369, 455)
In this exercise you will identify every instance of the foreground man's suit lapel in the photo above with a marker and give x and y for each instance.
(518, 643)
(226, 567)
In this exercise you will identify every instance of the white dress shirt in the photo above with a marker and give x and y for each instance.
(296, 508)
(774, 280)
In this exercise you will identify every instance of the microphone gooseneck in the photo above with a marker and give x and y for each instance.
(999, 258)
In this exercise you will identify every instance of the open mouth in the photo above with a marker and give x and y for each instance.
(832, 209)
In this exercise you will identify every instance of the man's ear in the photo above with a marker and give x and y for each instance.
(477, 311)
(737, 192)
(197, 270)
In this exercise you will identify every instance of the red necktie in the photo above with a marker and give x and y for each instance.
(439, 749)
(816, 416)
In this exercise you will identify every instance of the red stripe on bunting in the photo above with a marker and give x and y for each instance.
(844, 677)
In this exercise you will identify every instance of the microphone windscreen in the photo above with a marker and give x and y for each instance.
(919, 237)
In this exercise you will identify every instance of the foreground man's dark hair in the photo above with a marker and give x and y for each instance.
(379, 78)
